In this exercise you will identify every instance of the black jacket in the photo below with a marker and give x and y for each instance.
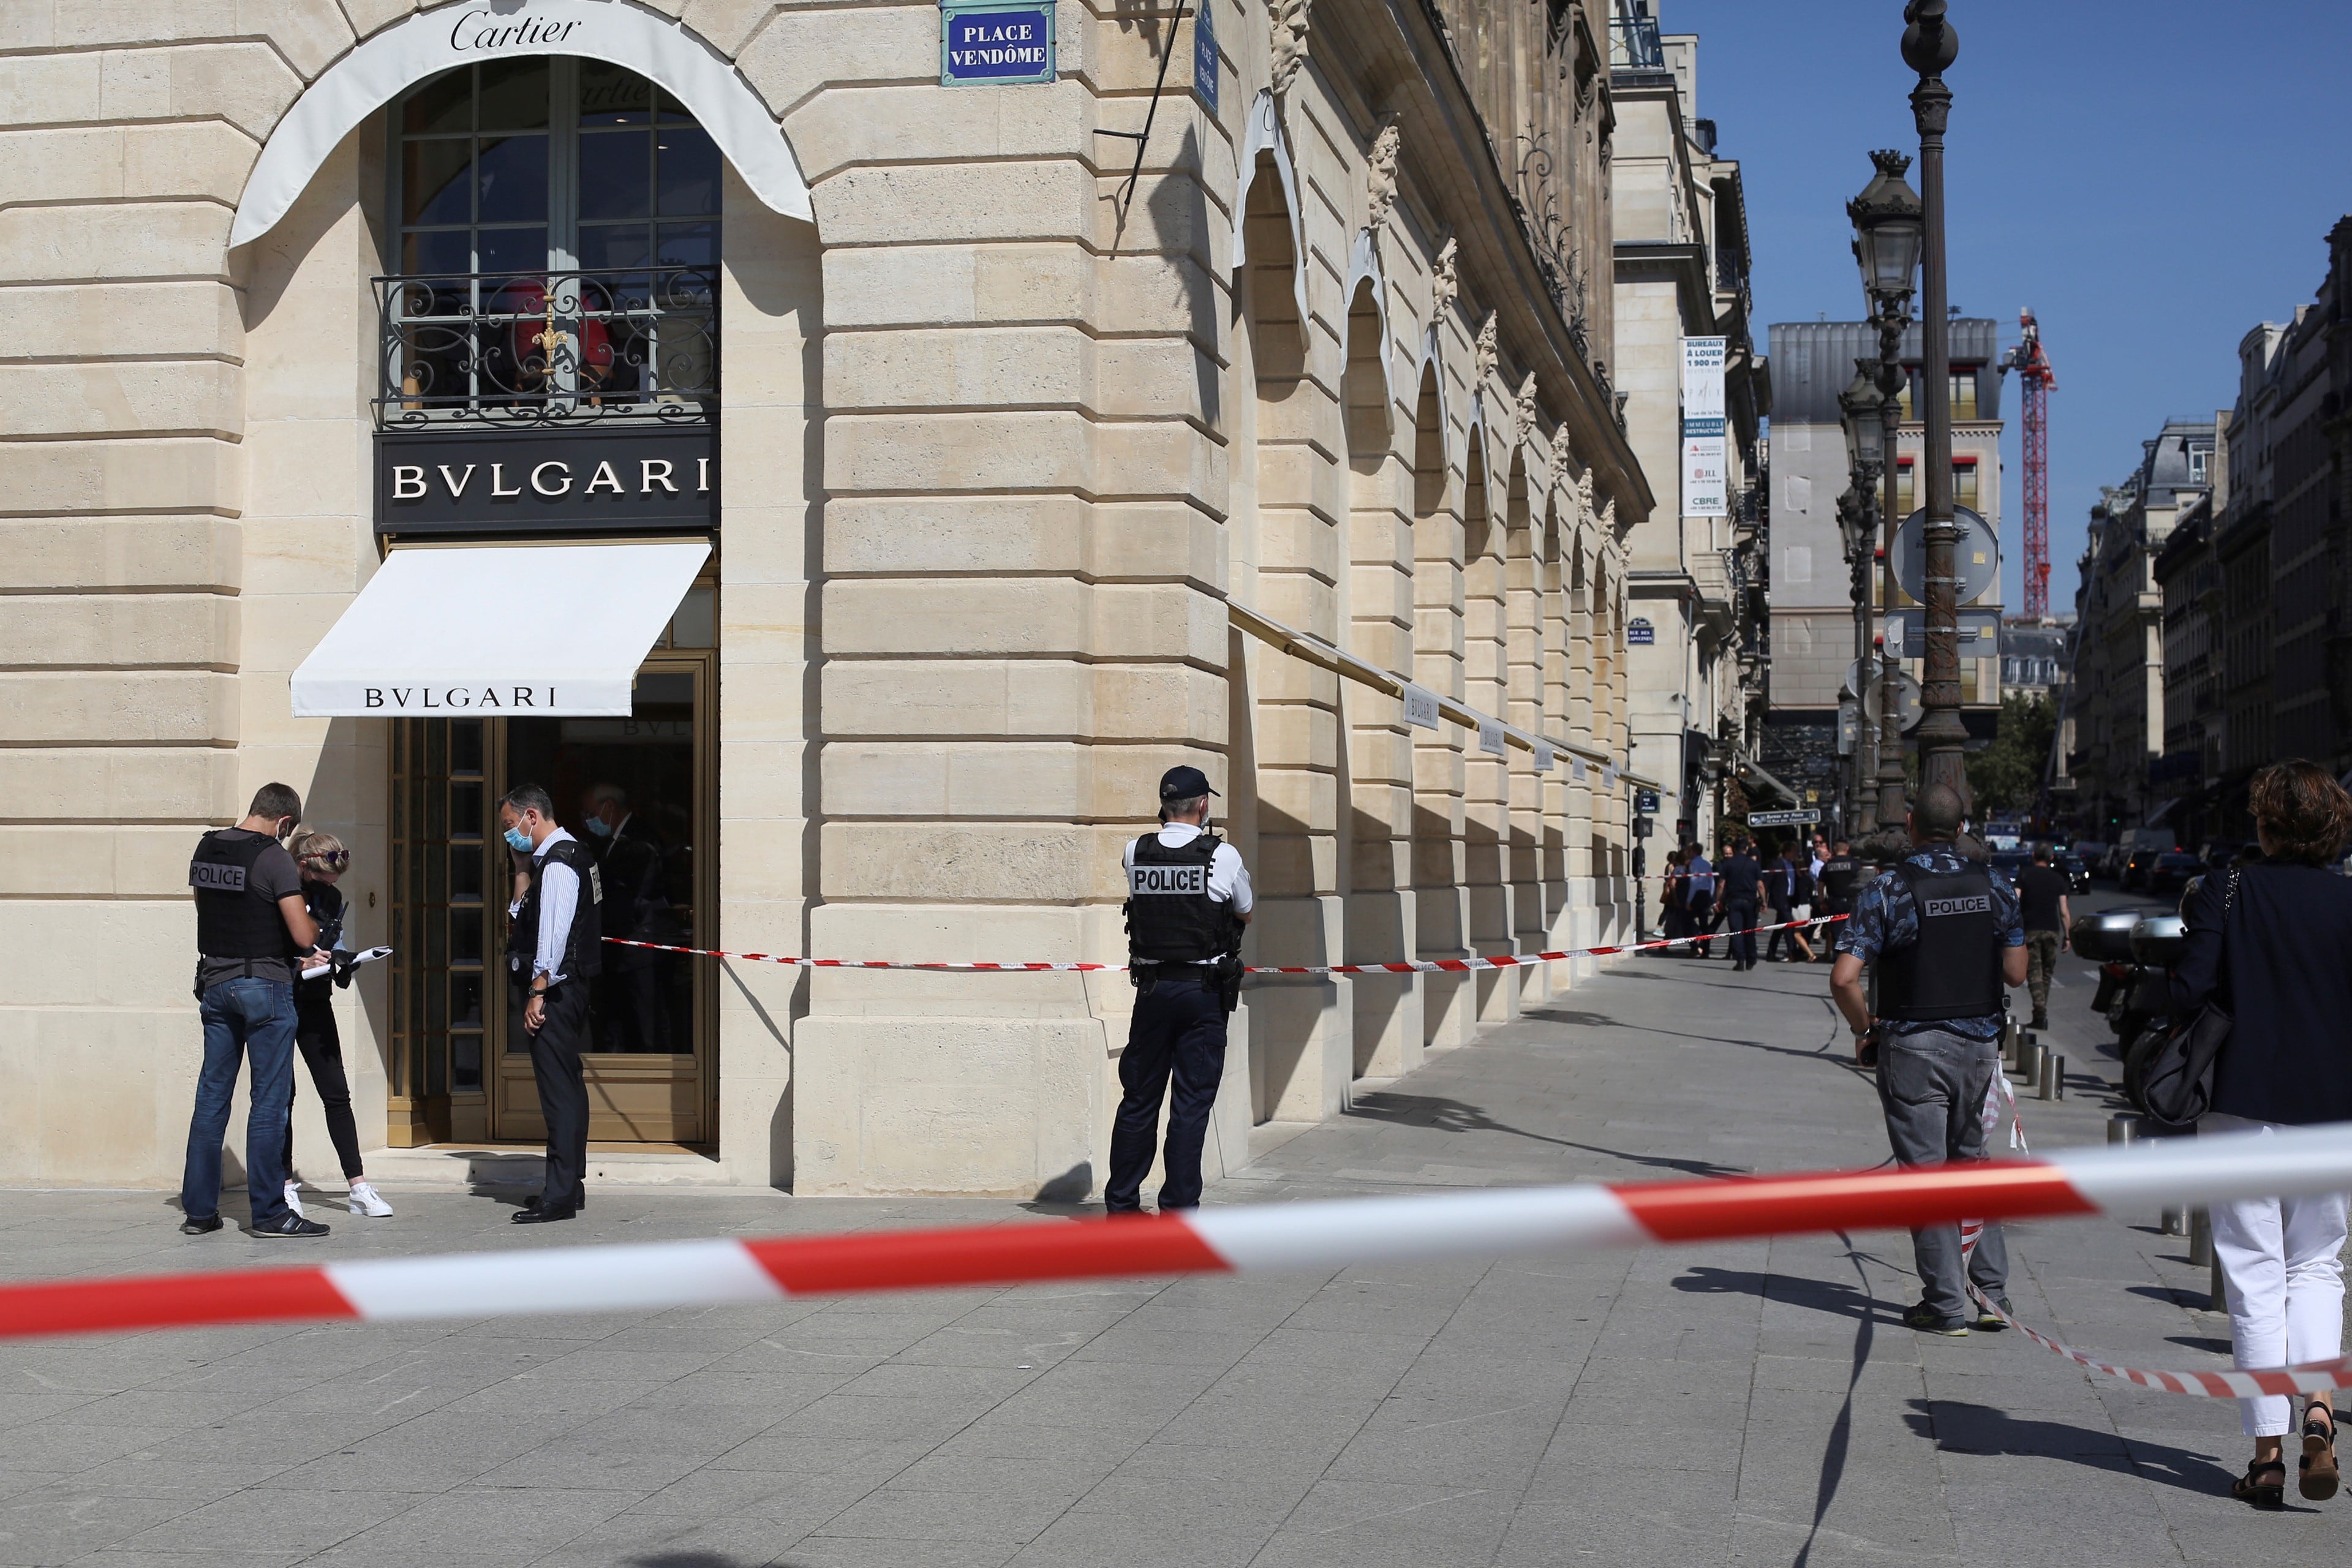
(1743, 880)
(2286, 981)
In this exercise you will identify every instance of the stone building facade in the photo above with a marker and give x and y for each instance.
(1697, 565)
(2120, 779)
(2257, 575)
(1813, 591)
(958, 469)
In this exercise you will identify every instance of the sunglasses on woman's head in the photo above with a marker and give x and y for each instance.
(333, 859)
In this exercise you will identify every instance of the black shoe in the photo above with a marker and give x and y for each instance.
(200, 1224)
(535, 1202)
(1990, 1321)
(1928, 1321)
(290, 1223)
(542, 1214)
(2041, 1021)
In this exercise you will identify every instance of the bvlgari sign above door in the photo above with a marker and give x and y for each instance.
(627, 478)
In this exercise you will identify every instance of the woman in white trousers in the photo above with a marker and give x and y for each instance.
(2270, 940)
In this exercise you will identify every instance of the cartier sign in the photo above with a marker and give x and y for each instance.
(622, 478)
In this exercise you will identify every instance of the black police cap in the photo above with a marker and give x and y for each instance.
(1184, 783)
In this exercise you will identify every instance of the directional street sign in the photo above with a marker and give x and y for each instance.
(1906, 634)
(1784, 818)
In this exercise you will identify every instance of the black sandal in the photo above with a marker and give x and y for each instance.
(2262, 1494)
(2319, 1473)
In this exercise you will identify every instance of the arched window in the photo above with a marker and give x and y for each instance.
(556, 250)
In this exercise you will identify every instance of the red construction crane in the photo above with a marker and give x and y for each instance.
(2037, 380)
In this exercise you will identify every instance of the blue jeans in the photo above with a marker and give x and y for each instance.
(242, 1017)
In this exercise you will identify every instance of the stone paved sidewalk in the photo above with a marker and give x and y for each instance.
(1752, 1404)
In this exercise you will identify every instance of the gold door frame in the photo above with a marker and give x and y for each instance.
(512, 1108)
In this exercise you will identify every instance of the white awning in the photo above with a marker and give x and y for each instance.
(537, 629)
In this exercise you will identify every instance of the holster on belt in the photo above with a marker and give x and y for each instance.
(1228, 972)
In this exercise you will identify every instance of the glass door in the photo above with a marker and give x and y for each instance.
(459, 1064)
(441, 813)
(639, 793)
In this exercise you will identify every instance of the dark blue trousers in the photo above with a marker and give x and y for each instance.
(1739, 917)
(1178, 1032)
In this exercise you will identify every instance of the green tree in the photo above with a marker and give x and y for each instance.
(2005, 775)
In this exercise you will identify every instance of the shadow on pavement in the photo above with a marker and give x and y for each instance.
(1458, 1116)
(1980, 1429)
(1833, 1455)
(1822, 1295)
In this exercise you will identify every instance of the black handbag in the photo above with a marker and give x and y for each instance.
(2177, 1086)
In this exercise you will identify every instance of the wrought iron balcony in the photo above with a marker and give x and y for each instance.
(1634, 42)
(634, 344)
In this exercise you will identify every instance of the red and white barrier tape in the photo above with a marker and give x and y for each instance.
(2317, 1377)
(1412, 966)
(1321, 1235)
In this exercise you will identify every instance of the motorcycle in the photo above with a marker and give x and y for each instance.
(2104, 939)
(2155, 943)
(2134, 950)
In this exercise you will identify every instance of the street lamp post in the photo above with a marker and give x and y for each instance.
(1865, 444)
(1888, 230)
(1929, 46)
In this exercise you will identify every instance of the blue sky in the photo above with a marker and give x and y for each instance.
(2153, 178)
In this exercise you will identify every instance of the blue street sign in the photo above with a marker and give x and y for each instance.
(993, 44)
(1639, 633)
(1205, 57)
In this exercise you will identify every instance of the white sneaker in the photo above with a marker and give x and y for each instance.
(294, 1195)
(366, 1200)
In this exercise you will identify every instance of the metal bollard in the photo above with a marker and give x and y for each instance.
(2047, 1071)
(2028, 1063)
(2200, 1237)
(2172, 1222)
(2221, 1298)
(2062, 1077)
(2123, 1128)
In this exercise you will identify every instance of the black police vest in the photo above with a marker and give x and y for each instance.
(235, 919)
(1170, 919)
(1953, 971)
(1840, 873)
(584, 945)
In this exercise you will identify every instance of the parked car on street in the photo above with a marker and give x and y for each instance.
(2077, 870)
(2172, 869)
(2135, 868)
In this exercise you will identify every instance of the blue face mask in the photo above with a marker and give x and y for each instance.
(518, 841)
(600, 828)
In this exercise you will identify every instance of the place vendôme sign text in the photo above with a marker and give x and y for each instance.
(995, 43)
(648, 479)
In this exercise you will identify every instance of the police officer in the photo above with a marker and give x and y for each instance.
(1188, 898)
(1837, 881)
(250, 924)
(1945, 936)
(555, 948)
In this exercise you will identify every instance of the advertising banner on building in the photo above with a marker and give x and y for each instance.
(1706, 488)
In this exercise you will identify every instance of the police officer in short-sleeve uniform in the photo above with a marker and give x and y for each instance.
(1946, 938)
(1188, 898)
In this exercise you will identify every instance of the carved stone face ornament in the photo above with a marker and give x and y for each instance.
(1443, 284)
(1381, 176)
(1288, 23)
